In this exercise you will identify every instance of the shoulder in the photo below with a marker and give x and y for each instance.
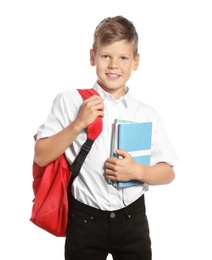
(67, 94)
(69, 97)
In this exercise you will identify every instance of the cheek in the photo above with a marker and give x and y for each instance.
(100, 72)
(128, 70)
(100, 68)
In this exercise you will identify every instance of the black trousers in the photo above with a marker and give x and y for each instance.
(93, 233)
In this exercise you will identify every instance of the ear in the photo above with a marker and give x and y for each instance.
(136, 61)
(92, 57)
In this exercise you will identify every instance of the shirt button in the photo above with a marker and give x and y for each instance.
(112, 215)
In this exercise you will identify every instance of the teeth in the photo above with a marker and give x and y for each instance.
(113, 75)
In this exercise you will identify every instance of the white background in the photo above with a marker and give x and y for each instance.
(44, 49)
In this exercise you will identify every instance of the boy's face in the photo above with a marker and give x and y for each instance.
(114, 65)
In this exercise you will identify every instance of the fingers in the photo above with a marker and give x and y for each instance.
(91, 109)
(94, 105)
(119, 169)
(112, 168)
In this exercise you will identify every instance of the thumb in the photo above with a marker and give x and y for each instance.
(122, 153)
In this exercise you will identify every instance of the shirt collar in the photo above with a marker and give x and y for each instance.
(105, 95)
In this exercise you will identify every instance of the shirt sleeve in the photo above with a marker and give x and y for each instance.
(162, 149)
(63, 112)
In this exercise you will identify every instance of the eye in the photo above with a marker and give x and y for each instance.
(124, 58)
(105, 57)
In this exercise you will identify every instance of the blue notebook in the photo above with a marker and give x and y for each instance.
(135, 138)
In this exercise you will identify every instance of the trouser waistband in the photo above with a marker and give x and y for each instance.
(135, 207)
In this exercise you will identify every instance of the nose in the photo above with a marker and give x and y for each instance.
(113, 64)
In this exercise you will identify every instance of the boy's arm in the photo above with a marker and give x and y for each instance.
(127, 169)
(50, 148)
(160, 173)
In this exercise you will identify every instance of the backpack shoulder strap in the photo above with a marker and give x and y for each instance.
(93, 131)
(86, 93)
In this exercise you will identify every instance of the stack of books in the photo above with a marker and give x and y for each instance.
(135, 138)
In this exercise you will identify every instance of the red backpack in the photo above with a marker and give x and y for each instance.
(50, 183)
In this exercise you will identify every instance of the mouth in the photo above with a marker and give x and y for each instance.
(112, 75)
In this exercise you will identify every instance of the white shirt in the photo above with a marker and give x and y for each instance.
(91, 187)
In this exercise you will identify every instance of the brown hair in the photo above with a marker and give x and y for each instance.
(113, 29)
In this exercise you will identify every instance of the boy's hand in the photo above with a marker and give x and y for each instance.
(91, 108)
(123, 169)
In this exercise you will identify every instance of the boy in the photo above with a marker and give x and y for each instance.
(102, 218)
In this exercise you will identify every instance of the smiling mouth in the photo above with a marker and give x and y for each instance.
(112, 75)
